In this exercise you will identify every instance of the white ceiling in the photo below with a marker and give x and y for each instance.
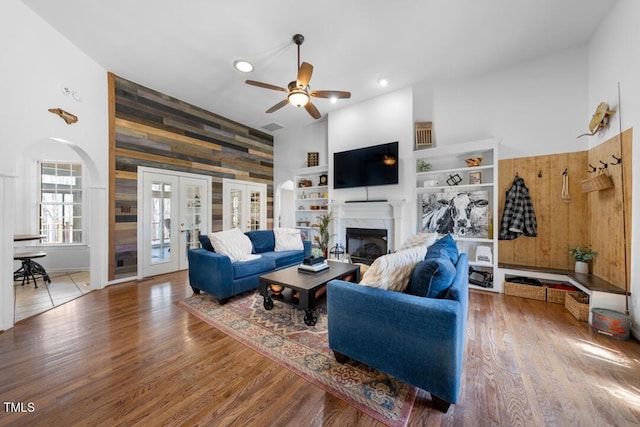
(186, 48)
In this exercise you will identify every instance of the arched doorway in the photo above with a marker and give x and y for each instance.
(13, 205)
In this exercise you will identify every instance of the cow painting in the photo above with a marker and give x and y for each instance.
(461, 214)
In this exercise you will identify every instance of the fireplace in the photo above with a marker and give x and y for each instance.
(364, 245)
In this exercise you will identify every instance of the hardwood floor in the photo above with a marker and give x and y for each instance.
(126, 355)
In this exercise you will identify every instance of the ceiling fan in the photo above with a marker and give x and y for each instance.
(298, 91)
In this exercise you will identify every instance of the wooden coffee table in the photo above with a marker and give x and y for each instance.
(300, 288)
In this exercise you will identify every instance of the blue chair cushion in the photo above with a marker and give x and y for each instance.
(262, 240)
(205, 242)
(432, 277)
(249, 268)
(285, 258)
(448, 244)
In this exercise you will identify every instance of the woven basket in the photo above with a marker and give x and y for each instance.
(557, 296)
(525, 291)
(578, 305)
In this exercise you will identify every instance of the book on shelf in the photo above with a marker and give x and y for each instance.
(315, 268)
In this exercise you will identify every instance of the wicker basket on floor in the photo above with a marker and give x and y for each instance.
(557, 295)
(525, 291)
(578, 305)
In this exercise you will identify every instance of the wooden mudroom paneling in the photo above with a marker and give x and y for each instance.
(560, 223)
(148, 128)
(606, 227)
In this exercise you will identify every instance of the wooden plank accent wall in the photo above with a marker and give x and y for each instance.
(589, 218)
(560, 224)
(151, 129)
(606, 213)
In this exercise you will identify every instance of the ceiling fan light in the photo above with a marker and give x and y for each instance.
(298, 97)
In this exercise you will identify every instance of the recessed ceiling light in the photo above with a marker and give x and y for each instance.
(243, 66)
(383, 82)
(333, 99)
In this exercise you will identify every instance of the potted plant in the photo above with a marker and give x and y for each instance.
(324, 221)
(582, 255)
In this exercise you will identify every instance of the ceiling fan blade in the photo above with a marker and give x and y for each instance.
(278, 106)
(338, 94)
(265, 85)
(312, 110)
(304, 74)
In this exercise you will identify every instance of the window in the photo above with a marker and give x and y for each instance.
(60, 213)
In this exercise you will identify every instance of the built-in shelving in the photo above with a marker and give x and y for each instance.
(434, 192)
(310, 200)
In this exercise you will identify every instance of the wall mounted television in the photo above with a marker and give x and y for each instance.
(366, 167)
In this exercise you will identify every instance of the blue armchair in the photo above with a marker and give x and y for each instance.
(418, 340)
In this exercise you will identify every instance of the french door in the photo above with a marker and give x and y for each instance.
(244, 205)
(175, 211)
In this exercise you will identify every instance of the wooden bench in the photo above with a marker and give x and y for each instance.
(602, 294)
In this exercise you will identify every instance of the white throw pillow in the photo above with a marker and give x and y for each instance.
(232, 243)
(425, 239)
(393, 271)
(287, 239)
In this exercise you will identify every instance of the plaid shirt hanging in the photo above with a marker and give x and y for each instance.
(518, 216)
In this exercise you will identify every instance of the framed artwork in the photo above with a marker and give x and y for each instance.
(475, 178)
(304, 234)
(462, 214)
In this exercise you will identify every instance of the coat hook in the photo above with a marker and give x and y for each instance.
(618, 160)
(540, 174)
(592, 168)
(604, 165)
(565, 173)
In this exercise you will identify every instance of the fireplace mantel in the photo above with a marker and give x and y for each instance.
(388, 215)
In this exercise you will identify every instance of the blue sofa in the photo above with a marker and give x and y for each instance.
(216, 275)
(417, 339)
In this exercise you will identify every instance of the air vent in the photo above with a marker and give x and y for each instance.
(272, 127)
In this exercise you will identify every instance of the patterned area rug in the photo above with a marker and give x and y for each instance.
(282, 335)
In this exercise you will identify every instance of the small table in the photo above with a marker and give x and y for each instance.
(303, 286)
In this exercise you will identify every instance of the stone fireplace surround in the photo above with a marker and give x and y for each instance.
(380, 215)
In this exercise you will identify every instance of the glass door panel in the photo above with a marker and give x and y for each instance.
(193, 207)
(255, 211)
(160, 250)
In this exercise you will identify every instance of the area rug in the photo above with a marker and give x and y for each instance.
(281, 335)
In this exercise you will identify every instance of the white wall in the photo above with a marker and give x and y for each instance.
(380, 120)
(291, 146)
(536, 107)
(614, 56)
(36, 61)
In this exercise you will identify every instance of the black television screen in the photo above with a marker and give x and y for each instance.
(366, 167)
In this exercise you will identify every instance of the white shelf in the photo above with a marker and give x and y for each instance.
(317, 187)
(312, 210)
(321, 199)
(453, 170)
(454, 187)
(472, 239)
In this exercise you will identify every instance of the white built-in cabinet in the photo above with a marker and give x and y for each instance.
(311, 199)
(463, 199)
